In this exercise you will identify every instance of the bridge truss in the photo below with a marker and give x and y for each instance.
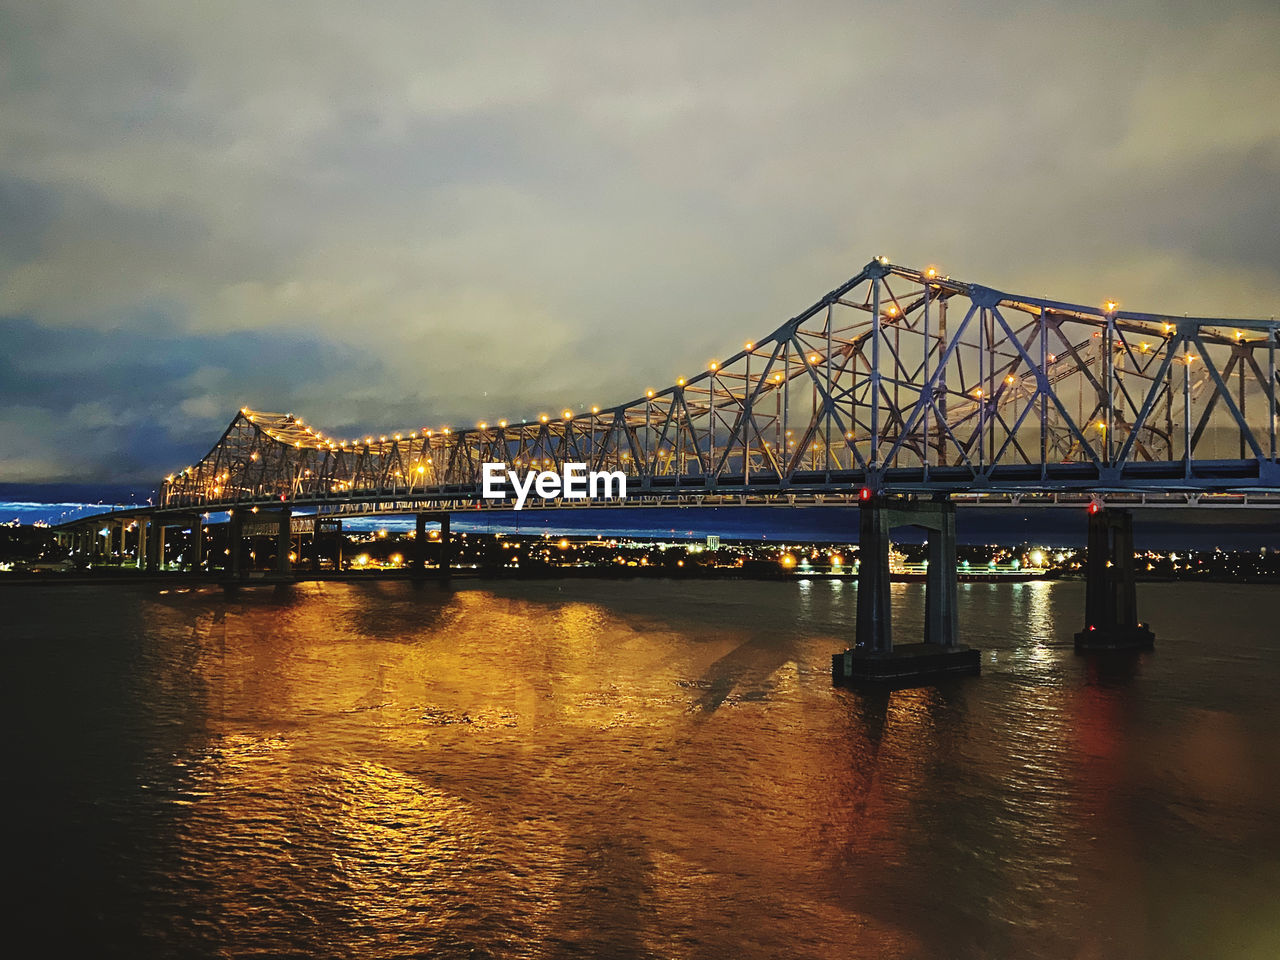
(898, 381)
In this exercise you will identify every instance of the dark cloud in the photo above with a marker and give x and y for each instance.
(417, 213)
(121, 405)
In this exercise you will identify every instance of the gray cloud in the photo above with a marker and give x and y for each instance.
(431, 213)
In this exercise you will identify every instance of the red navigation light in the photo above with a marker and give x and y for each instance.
(1092, 627)
(1094, 507)
(864, 493)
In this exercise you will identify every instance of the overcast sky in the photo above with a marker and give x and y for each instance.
(392, 215)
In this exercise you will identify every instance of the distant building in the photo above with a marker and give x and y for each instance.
(713, 542)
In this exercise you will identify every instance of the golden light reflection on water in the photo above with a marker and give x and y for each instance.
(435, 760)
(663, 769)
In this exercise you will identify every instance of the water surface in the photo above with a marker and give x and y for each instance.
(634, 769)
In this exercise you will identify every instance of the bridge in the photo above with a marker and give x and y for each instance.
(902, 390)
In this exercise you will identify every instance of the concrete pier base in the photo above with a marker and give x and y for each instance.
(1111, 599)
(907, 664)
(1137, 637)
(418, 560)
(875, 658)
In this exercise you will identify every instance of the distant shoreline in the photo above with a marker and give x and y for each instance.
(263, 578)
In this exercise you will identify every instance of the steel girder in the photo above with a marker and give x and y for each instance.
(899, 380)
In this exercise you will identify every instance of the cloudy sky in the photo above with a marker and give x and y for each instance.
(391, 215)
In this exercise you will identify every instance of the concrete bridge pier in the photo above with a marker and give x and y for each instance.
(74, 545)
(284, 540)
(874, 659)
(418, 562)
(195, 552)
(155, 549)
(141, 559)
(418, 565)
(1111, 596)
(446, 548)
(234, 567)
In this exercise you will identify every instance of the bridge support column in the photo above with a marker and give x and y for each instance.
(196, 550)
(235, 543)
(874, 659)
(124, 540)
(446, 548)
(874, 618)
(155, 551)
(940, 621)
(284, 540)
(418, 563)
(142, 543)
(1111, 596)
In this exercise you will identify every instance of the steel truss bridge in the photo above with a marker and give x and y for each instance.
(899, 381)
(903, 391)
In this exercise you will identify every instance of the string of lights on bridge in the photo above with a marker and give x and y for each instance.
(794, 347)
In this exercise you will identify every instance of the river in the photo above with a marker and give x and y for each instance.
(641, 768)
